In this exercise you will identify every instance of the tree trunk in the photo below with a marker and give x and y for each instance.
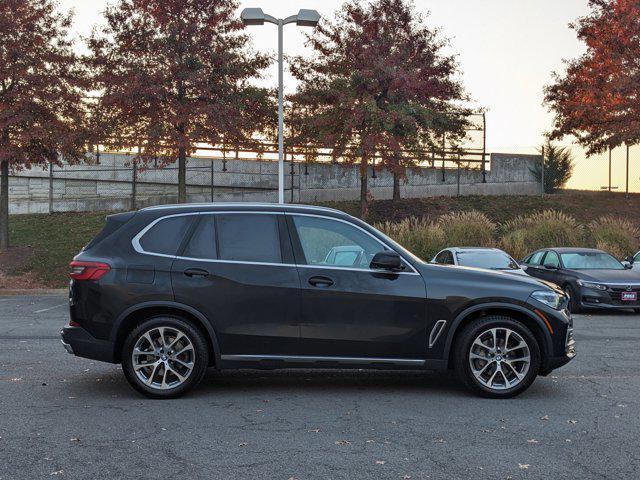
(364, 207)
(4, 205)
(396, 186)
(182, 175)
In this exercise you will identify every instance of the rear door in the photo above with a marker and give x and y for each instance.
(553, 260)
(237, 268)
(349, 310)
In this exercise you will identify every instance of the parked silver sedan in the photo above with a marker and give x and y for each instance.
(479, 257)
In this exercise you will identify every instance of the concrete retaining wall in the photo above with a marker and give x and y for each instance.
(108, 186)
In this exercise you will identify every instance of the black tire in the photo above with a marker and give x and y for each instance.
(462, 350)
(574, 304)
(200, 358)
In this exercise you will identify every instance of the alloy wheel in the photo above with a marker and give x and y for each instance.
(499, 358)
(163, 358)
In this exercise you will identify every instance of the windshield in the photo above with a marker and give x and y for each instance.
(487, 259)
(590, 261)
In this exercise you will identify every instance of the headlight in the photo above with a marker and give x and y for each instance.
(597, 286)
(552, 299)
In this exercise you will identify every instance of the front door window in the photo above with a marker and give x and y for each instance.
(333, 243)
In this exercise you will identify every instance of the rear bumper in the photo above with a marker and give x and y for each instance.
(77, 341)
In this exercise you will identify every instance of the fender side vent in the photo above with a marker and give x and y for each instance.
(436, 331)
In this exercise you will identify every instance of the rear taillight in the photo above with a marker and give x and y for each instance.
(88, 270)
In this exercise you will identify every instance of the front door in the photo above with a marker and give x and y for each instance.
(238, 270)
(347, 309)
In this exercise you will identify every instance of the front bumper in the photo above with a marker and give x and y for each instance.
(606, 299)
(77, 341)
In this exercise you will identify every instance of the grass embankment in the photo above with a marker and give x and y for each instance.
(43, 245)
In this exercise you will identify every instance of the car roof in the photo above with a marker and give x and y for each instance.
(474, 249)
(572, 250)
(240, 206)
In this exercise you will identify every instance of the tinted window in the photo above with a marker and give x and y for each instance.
(331, 242)
(487, 259)
(248, 237)
(552, 259)
(637, 258)
(590, 261)
(166, 235)
(536, 258)
(445, 258)
(203, 241)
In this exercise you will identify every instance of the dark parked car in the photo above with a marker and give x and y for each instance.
(590, 278)
(169, 291)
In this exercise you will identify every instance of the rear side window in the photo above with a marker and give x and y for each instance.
(203, 241)
(552, 259)
(248, 237)
(536, 258)
(166, 235)
(445, 258)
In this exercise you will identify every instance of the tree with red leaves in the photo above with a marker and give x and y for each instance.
(41, 81)
(598, 99)
(378, 85)
(173, 73)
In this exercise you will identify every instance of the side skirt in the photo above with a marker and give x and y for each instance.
(306, 361)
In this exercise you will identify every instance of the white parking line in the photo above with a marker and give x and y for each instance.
(50, 308)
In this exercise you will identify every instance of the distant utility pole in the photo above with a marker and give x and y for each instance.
(627, 169)
(542, 171)
(609, 168)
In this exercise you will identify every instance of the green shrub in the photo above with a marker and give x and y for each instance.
(549, 228)
(468, 229)
(421, 237)
(617, 236)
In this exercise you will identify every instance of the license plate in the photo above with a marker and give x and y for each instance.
(629, 296)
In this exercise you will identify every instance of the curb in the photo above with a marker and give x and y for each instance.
(32, 291)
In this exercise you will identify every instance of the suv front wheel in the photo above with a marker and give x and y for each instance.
(497, 357)
(164, 357)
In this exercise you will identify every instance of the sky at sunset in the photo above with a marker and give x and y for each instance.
(506, 50)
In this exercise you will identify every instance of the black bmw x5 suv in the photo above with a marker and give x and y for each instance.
(170, 291)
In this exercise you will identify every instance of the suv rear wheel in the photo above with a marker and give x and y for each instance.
(164, 357)
(497, 357)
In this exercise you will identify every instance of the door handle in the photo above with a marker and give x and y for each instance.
(321, 282)
(196, 272)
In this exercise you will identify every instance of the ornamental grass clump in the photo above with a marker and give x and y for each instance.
(549, 228)
(420, 236)
(618, 236)
(468, 229)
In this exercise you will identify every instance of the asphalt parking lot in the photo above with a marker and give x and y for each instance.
(66, 417)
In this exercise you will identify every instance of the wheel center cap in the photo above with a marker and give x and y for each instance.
(164, 358)
(499, 358)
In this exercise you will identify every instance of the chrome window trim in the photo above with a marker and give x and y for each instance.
(415, 272)
(135, 242)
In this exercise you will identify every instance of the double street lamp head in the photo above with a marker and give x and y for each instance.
(304, 18)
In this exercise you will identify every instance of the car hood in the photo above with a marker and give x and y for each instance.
(497, 276)
(606, 276)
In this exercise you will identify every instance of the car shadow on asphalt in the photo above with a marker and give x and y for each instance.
(317, 382)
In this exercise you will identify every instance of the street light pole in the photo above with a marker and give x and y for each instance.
(304, 18)
(280, 114)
